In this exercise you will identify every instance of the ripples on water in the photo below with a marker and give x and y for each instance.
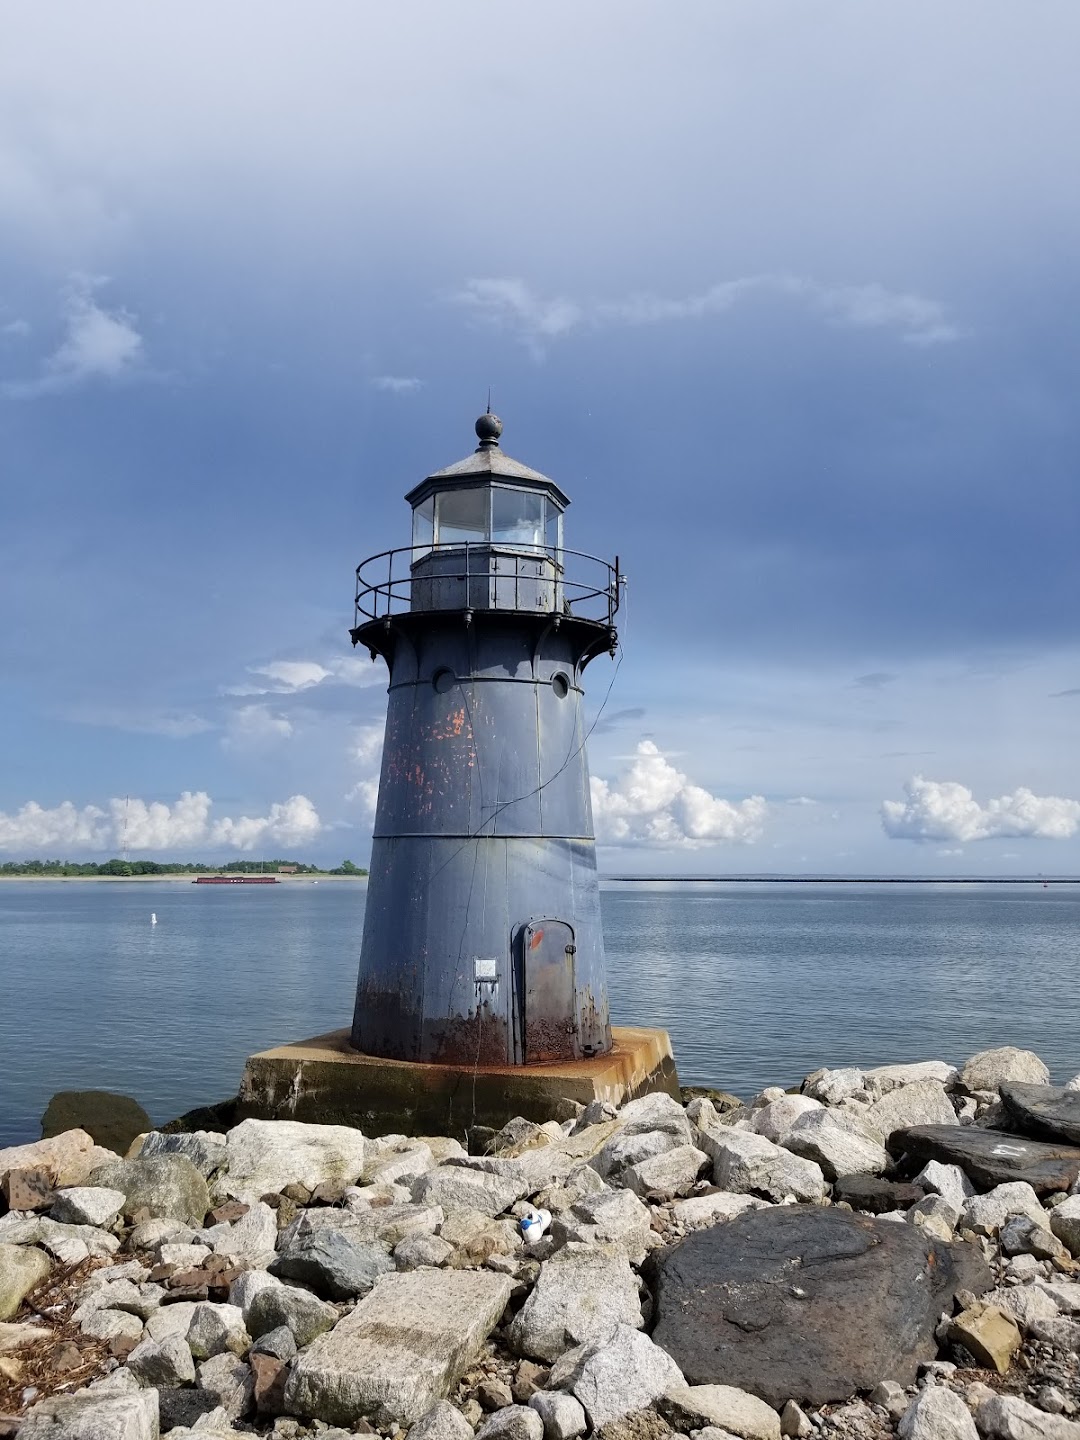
(757, 984)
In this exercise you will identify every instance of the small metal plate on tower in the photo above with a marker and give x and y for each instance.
(487, 968)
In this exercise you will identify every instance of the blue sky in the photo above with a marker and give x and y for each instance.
(783, 296)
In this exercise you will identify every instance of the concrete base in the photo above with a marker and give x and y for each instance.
(325, 1081)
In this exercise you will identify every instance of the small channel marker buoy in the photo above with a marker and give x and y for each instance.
(153, 917)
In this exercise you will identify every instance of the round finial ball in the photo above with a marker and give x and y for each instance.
(488, 428)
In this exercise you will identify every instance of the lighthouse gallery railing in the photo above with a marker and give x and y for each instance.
(577, 584)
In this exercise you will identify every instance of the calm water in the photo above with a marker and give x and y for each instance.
(758, 984)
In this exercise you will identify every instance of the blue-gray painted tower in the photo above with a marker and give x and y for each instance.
(482, 938)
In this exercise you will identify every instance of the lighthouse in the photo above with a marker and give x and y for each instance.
(482, 940)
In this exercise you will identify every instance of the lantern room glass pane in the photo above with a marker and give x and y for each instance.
(553, 531)
(517, 518)
(462, 515)
(423, 527)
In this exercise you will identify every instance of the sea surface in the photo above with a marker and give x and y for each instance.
(758, 984)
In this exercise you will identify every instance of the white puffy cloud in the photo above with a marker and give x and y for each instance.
(514, 305)
(291, 823)
(943, 810)
(293, 674)
(255, 726)
(98, 344)
(290, 677)
(652, 803)
(139, 826)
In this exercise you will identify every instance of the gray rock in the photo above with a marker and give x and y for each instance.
(86, 1205)
(626, 1372)
(205, 1149)
(748, 1164)
(333, 1264)
(986, 1070)
(563, 1416)
(250, 1240)
(833, 1086)
(305, 1314)
(806, 1302)
(168, 1186)
(1045, 1111)
(1065, 1223)
(280, 1343)
(1021, 1235)
(656, 1112)
(839, 1143)
(403, 1347)
(795, 1422)
(986, 1214)
(245, 1287)
(889, 1077)
(94, 1416)
(162, 1363)
(776, 1119)
(150, 1234)
(923, 1102)
(170, 1320)
(141, 1300)
(937, 1414)
(456, 1187)
(112, 1325)
(388, 1223)
(693, 1407)
(1007, 1417)
(400, 1165)
(417, 1250)
(442, 1422)
(267, 1155)
(624, 1150)
(183, 1257)
(675, 1172)
(612, 1217)
(582, 1293)
(21, 1268)
(992, 1157)
(513, 1422)
(68, 1243)
(720, 1205)
(946, 1180)
(217, 1328)
(230, 1381)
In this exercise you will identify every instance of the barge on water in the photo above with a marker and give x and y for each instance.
(236, 880)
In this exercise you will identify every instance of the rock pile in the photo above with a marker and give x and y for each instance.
(888, 1252)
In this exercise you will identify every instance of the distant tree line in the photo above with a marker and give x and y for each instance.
(126, 868)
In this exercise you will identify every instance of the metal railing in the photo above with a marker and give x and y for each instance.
(560, 581)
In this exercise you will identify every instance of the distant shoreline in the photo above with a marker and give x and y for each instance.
(326, 879)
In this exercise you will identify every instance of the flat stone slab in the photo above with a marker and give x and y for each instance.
(325, 1081)
(404, 1347)
(992, 1157)
(806, 1303)
(1046, 1111)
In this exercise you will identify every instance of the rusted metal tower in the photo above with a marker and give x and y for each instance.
(482, 939)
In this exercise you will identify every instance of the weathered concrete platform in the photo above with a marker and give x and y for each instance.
(325, 1081)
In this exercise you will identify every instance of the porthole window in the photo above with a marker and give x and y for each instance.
(560, 685)
(443, 680)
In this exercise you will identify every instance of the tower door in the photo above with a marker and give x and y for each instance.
(551, 1031)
